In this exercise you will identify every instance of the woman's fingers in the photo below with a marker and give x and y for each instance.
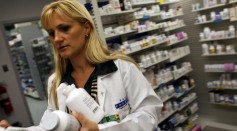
(86, 123)
(4, 123)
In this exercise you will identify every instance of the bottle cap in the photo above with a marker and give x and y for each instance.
(68, 89)
(49, 121)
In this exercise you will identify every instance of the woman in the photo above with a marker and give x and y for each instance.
(113, 79)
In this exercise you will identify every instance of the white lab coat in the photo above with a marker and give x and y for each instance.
(143, 108)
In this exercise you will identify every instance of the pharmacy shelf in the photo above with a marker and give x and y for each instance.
(224, 54)
(223, 104)
(146, 47)
(185, 73)
(216, 6)
(167, 98)
(144, 3)
(167, 3)
(179, 109)
(223, 88)
(187, 118)
(162, 60)
(179, 57)
(147, 17)
(177, 42)
(33, 94)
(168, 115)
(220, 71)
(195, 111)
(217, 39)
(118, 12)
(178, 95)
(189, 102)
(190, 126)
(211, 21)
(181, 121)
(233, 2)
(233, 20)
(164, 82)
(115, 35)
(156, 28)
(207, 8)
(172, 17)
(170, 29)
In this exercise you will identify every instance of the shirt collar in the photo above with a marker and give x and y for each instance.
(100, 70)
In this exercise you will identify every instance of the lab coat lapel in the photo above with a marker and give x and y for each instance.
(101, 92)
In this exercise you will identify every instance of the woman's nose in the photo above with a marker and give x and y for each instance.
(57, 37)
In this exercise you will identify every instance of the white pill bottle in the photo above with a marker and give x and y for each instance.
(80, 101)
(59, 121)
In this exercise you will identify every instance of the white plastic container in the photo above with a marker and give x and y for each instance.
(80, 101)
(59, 121)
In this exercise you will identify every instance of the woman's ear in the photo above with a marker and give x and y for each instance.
(87, 27)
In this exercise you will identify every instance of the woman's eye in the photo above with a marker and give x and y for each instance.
(64, 28)
(51, 33)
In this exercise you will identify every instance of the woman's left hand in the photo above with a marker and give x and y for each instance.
(86, 124)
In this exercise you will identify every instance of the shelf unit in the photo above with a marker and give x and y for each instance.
(216, 6)
(220, 72)
(43, 57)
(223, 88)
(144, 3)
(118, 35)
(148, 46)
(211, 21)
(170, 17)
(225, 104)
(223, 54)
(171, 44)
(207, 8)
(171, 113)
(173, 2)
(218, 41)
(25, 58)
(178, 95)
(118, 13)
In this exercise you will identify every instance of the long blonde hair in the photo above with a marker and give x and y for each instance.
(96, 51)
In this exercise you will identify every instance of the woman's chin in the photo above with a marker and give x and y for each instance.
(65, 56)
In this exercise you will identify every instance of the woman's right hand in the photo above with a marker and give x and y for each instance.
(4, 124)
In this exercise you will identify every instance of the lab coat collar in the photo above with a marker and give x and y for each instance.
(102, 69)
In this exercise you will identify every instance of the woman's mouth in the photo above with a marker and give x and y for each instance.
(62, 47)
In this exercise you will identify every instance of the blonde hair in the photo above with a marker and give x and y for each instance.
(96, 51)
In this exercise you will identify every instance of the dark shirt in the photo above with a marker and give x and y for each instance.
(100, 69)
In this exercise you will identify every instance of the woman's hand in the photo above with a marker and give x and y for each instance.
(86, 124)
(4, 124)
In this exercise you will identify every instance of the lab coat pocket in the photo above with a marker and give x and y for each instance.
(124, 112)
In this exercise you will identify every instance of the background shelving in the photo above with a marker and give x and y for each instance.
(151, 46)
(215, 78)
(29, 56)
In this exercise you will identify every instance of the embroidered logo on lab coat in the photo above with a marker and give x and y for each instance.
(123, 102)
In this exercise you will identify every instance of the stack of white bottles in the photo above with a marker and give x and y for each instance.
(78, 100)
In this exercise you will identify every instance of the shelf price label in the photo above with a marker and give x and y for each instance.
(226, 104)
(144, 45)
(154, 41)
(220, 88)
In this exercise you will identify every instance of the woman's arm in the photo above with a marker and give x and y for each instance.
(144, 103)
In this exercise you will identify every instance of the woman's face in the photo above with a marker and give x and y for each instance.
(68, 36)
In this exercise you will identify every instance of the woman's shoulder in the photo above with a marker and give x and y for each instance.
(121, 62)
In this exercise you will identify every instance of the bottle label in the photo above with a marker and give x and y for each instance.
(91, 104)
